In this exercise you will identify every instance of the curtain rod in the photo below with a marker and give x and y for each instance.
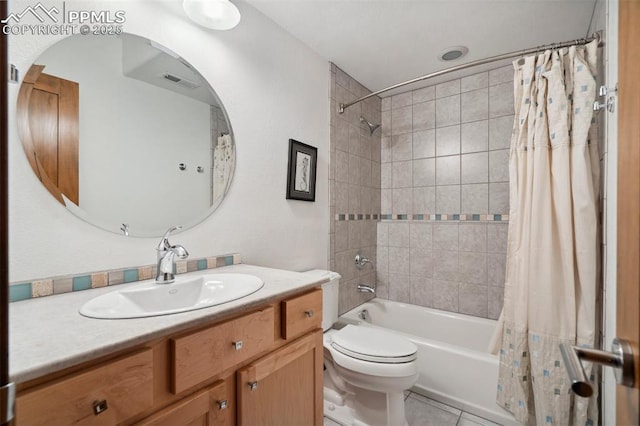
(595, 36)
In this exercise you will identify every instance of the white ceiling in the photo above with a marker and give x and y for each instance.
(384, 42)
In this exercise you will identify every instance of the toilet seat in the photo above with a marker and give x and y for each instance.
(372, 345)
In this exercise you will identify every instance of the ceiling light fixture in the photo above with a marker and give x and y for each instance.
(453, 53)
(214, 14)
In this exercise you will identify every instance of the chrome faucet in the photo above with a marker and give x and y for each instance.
(363, 288)
(166, 257)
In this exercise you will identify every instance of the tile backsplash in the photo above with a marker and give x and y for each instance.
(85, 281)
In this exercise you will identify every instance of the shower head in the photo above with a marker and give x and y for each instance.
(372, 127)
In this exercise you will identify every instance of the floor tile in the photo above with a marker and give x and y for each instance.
(436, 404)
(421, 411)
(470, 420)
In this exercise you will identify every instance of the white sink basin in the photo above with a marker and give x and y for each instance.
(187, 294)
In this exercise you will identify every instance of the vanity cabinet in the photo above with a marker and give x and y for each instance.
(262, 366)
(276, 389)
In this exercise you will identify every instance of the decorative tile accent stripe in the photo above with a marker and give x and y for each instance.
(66, 284)
(358, 216)
(426, 217)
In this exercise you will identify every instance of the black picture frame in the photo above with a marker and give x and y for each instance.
(301, 172)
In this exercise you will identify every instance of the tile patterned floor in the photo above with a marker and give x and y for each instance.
(422, 411)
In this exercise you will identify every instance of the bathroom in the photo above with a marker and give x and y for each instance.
(275, 87)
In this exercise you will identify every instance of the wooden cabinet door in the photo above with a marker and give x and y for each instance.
(628, 262)
(208, 407)
(48, 122)
(284, 387)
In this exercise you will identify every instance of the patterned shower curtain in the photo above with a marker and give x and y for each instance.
(552, 256)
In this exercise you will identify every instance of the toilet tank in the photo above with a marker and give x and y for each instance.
(330, 291)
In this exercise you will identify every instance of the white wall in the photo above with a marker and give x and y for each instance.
(273, 88)
(132, 137)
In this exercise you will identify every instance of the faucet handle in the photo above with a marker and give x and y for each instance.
(164, 242)
(361, 260)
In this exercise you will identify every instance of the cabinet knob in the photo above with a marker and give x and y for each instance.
(309, 313)
(253, 385)
(237, 345)
(99, 407)
(222, 404)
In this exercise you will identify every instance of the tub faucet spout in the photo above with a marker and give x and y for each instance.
(363, 288)
(166, 257)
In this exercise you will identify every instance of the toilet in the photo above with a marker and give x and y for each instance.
(366, 370)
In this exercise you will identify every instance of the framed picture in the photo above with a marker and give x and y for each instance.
(301, 181)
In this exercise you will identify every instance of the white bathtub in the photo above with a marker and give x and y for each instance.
(455, 367)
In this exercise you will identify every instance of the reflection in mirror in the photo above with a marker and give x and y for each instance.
(126, 134)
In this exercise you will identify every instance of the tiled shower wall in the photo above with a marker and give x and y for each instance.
(354, 186)
(445, 194)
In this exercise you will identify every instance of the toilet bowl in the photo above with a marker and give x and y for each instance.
(366, 370)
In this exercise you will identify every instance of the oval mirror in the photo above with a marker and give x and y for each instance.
(126, 134)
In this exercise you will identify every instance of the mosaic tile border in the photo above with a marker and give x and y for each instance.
(425, 217)
(358, 216)
(86, 281)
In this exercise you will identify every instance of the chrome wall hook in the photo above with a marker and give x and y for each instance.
(604, 91)
(609, 105)
(609, 94)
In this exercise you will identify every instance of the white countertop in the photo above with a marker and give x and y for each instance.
(48, 334)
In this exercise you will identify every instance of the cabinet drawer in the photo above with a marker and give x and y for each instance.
(301, 314)
(212, 406)
(201, 355)
(122, 388)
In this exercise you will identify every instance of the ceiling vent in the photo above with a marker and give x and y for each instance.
(453, 53)
(180, 81)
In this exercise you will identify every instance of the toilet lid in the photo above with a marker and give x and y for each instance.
(370, 344)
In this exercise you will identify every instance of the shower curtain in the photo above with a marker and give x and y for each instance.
(223, 165)
(552, 254)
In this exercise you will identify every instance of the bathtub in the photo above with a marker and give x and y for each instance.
(455, 367)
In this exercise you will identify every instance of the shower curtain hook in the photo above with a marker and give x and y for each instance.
(521, 61)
